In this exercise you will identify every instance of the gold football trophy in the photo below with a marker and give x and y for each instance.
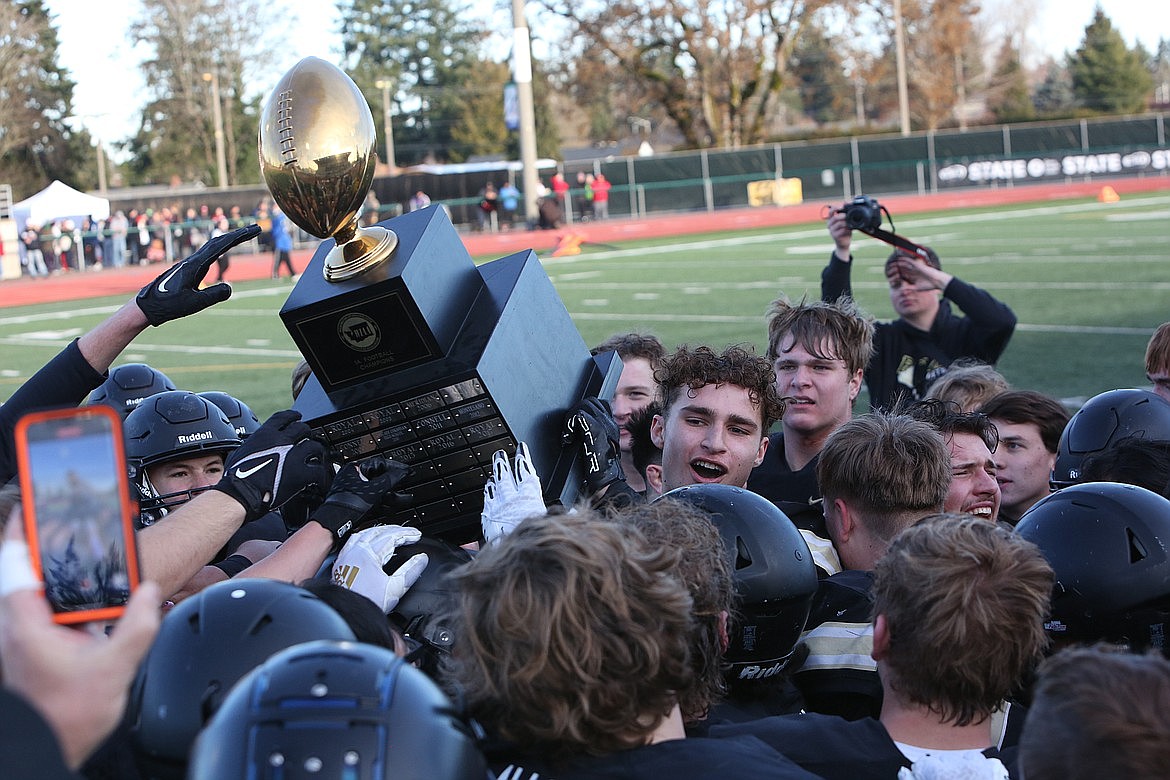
(317, 154)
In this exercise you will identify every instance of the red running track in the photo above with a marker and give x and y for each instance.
(123, 281)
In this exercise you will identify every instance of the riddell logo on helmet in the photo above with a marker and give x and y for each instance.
(190, 438)
(757, 672)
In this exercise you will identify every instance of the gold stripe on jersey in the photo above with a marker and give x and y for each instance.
(839, 645)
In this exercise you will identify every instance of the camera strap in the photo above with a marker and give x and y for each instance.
(895, 240)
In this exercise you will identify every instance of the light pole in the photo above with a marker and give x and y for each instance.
(900, 60)
(522, 75)
(387, 125)
(101, 154)
(217, 117)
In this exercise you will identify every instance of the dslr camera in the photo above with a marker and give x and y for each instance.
(863, 213)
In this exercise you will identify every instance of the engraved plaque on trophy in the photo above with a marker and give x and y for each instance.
(417, 353)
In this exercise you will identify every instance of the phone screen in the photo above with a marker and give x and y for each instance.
(79, 531)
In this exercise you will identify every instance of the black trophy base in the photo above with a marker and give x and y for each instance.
(516, 366)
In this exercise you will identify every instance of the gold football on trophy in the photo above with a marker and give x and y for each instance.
(317, 155)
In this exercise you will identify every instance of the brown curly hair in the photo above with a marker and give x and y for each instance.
(574, 636)
(706, 571)
(693, 368)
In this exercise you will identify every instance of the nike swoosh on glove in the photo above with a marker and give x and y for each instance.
(274, 464)
(175, 292)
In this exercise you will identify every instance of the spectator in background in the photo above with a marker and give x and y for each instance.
(371, 210)
(49, 249)
(601, 187)
(560, 189)
(420, 200)
(220, 226)
(90, 243)
(583, 205)
(1158, 360)
(119, 228)
(34, 258)
(489, 205)
(282, 243)
(509, 202)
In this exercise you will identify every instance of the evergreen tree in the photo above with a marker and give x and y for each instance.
(429, 50)
(825, 93)
(36, 144)
(480, 128)
(1054, 97)
(1010, 99)
(1107, 76)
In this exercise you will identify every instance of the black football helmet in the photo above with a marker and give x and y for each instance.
(207, 643)
(169, 426)
(1107, 544)
(419, 612)
(237, 412)
(1104, 420)
(337, 710)
(127, 385)
(775, 579)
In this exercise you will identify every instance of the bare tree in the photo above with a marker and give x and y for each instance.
(940, 35)
(716, 67)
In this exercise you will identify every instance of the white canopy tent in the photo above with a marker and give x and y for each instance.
(59, 201)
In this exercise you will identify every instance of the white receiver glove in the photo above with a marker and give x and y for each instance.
(511, 494)
(359, 564)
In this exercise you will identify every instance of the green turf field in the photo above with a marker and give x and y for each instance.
(1088, 281)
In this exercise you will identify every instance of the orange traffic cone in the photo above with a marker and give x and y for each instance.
(1108, 195)
(569, 244)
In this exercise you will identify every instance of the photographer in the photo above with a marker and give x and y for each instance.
(916, 349)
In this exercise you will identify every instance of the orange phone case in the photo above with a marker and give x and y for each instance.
(126, 505)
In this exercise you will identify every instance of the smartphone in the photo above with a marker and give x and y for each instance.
(78, 515)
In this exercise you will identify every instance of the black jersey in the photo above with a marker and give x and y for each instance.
(775, 480)
(832, 747)
(839, 677)
(64, 381)
(906, 360)
(677, 759)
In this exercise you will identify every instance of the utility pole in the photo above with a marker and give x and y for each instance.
(217, 117)
(387, 123)
(522, 74)
(900, 52)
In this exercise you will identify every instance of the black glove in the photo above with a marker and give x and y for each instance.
(359, 494)
(591, 425)
(274, 464)
(175, 292)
